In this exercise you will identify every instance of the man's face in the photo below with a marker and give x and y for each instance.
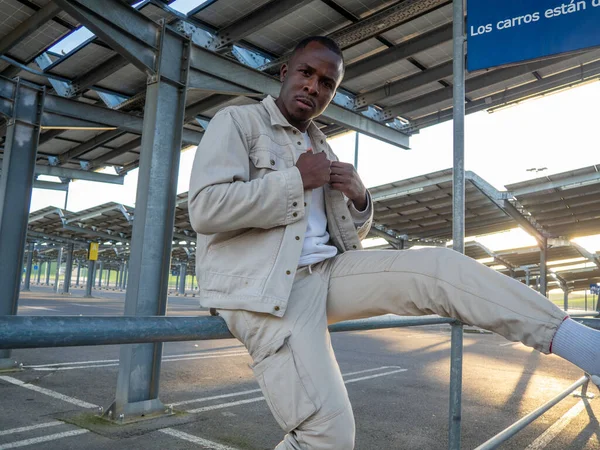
(310, 80)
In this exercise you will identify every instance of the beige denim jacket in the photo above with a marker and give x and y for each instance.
(248, 206)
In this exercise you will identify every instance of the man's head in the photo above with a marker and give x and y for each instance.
(309, 80)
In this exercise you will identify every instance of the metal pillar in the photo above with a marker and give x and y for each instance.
(18, 168)
(147, 288)
(566, 299)
(183, 271)
(90, 279)
(527, 274)
(458, 214)
(108, 278)
(48, 265)
(586, 305)
(120, 276)
(177, 281)
(125, 275)
(27, 284)
(543, 268)
(39, 272)
(68, 269)
(78, 273)
(57, 273)
(100, 269)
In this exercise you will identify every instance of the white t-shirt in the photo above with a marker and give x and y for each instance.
(315, 248)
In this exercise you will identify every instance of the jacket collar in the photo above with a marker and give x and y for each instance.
(277, 118)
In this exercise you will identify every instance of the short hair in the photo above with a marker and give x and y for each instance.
(324, 41)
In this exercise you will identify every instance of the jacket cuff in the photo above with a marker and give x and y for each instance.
(361, 217)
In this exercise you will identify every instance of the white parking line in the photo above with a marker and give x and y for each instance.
(51, 437)
(31, 427)
(53, 367)
(253, 391)
(257, 399)
(48, 392)
(554, 430)
(195, 439)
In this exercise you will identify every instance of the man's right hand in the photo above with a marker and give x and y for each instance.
(314, 169)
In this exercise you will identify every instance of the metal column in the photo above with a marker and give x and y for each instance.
(78, 273)
(100, 269)
(39, 272)
(48, 268)
(566, 299)
(458, 213)
(57, 273)
(90, 279)
(68, 269)
(120, 276)
(183, 271)
(543, 269)
(18, 168)
(125, 275)
(108, 278)
(27, 284)
(147, 288)
(356, 151)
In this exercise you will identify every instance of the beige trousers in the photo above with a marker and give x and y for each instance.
(294, 363)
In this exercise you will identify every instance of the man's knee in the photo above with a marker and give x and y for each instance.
(333, 433)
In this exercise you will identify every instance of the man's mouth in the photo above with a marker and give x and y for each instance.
(305, 101)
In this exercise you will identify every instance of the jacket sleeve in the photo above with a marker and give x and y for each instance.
(362, 219)
(223, 198)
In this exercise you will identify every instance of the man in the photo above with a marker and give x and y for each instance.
(279, 223)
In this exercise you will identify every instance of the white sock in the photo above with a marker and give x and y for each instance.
(579, 345)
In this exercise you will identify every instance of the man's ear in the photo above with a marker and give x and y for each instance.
(283, 72)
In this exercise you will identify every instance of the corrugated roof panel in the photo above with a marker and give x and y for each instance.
(363, 50)
(222, 13)
(316, 18)
(425, 89)
(39, 40)
(129, 81)
(85, 59)
(365, 8)
(377, 78)
(420, 25)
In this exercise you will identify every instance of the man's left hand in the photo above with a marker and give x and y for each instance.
(345, 179)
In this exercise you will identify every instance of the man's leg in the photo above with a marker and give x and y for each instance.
(439, 281)
(296, 369)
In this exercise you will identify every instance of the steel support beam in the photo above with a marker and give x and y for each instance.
(74, 174)
(216, 65)
(90, 145)
(147, 288)
(404, 50)
(573, 76)
(28, 26)
(543, 267)
(68, 269)
(84, 82)
(89, 282)
(458, 215)
(57, 271)
(39, 184)
(100, 269)
(257, 19)
(27, 283)
(48, 265)
(405, 85)
(122, 27)
(78, 273)
(39, 272)
(183, 272)
(18, 168)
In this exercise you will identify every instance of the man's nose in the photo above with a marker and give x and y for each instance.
(312, 86)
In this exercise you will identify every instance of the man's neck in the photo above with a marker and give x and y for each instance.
(302, 126)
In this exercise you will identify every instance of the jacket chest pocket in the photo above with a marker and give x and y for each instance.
(267, 154)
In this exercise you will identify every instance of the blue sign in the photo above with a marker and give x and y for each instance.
(35, 267)
(501, 32)
(174, 272)
(595, 288)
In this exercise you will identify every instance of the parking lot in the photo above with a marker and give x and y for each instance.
(397, 381)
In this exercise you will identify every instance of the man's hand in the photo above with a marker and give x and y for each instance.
(345, 179)
(314, 169)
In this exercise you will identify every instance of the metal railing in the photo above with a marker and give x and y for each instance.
(21, 332)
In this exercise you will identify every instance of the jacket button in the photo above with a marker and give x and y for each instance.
(299, 143)
(272, 162)
(343, 217)
(276, 308)
(287, 272)
(295, 204)
(295, 214)
(321, 141)
(304, 203)
(295, 132)
(297, 238)
(354, 246)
